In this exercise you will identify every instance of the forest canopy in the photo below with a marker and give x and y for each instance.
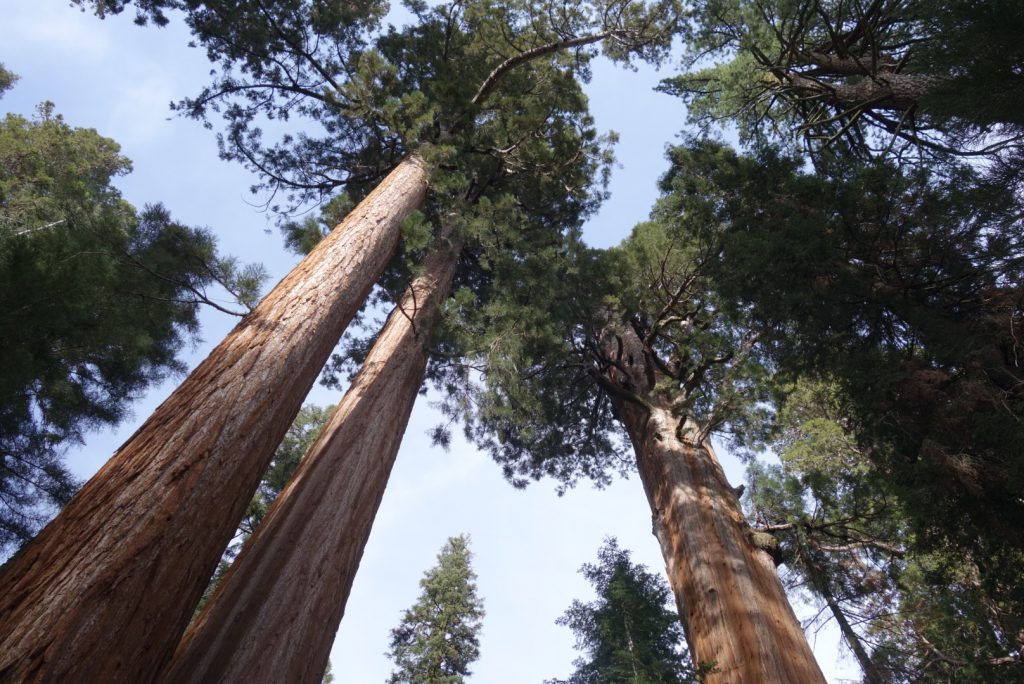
(830, 282)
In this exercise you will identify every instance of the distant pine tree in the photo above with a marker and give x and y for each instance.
(628, 633)
(438, 637)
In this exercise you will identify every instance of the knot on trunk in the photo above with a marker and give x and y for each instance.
(766, 541)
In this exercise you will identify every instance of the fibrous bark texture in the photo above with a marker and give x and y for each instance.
(275, 613)
(106, 590)
(732, 604)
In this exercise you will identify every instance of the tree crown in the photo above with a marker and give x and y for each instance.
(438, 637)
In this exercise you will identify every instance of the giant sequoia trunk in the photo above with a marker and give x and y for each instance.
(275, 613)
(106, 589)
(733, 608)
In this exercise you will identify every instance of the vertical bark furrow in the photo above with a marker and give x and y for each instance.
(735, 611)
(275, 614)
(104, 591)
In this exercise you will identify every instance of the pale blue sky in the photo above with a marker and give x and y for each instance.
(528, 545)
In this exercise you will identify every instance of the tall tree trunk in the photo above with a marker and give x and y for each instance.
(275, 613)
(733, 608)
(106, 589)
(872, 675)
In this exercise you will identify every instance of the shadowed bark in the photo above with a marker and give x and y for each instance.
(106, 589)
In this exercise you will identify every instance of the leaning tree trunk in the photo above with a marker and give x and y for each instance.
(106, 589)
(733, 608)
(872, 674)
(274, 615)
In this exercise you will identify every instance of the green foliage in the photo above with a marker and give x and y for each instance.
(277, 62)
(537, 412)
(364, 98)
(437, 639)
(628, 633)
(951, 626)
(545, 406)
(974, 45)
(97, 301)
(900, 77)
(914, 615)
(301, 237)
(487, 92)
(146, 10)
(905, 287)
(7, 80)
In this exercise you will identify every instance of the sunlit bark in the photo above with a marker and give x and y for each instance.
(731, 602)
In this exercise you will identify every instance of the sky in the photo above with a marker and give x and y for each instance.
(528, 544)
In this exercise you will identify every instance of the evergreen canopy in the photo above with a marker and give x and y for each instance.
(845, 537)
(438, 637)
(628, 634)
(877, 77)
(97, 299)
(903, 286)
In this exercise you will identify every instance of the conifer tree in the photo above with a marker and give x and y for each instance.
(438, 637)
(513, 203)
(448, 91)
(893, 271)
(640, 345)
(628, 634)
(184, 480)
(98, 300)
(906, 613)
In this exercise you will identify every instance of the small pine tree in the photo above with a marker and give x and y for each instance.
(628, 633)
(438, 637)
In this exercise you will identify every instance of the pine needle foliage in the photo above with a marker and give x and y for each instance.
(97, 300)
(629, 633)
(438, 637)
(321, 100)
(903, 78)
(904, 287)
(845, 539)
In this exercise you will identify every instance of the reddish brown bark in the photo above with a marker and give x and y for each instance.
(733, 608)
(275, 613)
(105, 591)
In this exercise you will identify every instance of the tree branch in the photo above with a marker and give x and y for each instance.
(511, 63)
